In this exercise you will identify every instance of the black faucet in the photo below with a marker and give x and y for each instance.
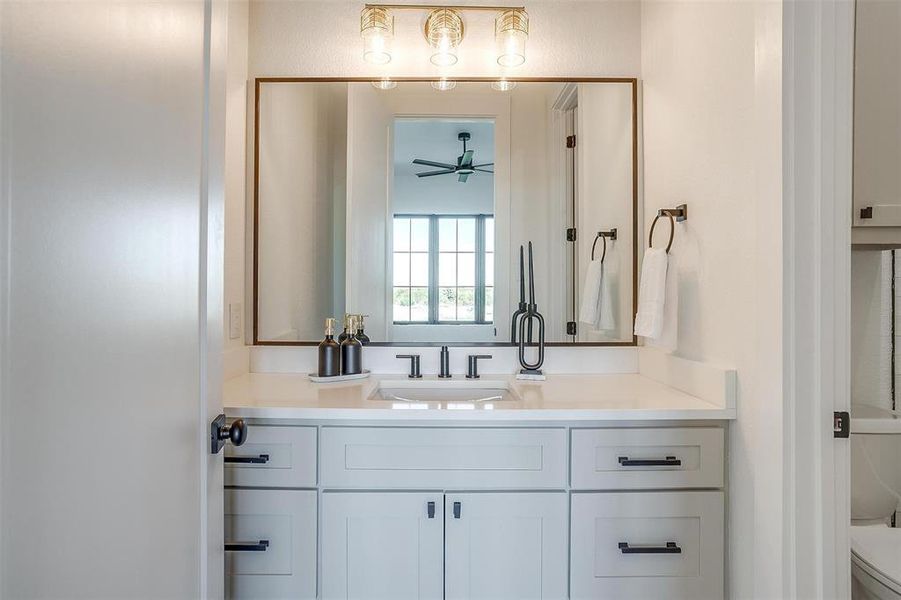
(444, 364)
(415, 373)
(472, 371)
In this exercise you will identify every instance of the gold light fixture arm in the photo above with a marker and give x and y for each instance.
(451, 7)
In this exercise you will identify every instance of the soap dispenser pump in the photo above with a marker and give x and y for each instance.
(361, 335)
(347, 328)
(329, 352)
(351, 351)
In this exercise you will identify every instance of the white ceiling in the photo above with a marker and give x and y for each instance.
(436, 139)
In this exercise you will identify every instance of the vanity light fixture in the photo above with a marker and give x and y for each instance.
(444, 85)
(384, 83)
(511, 30)
(503, 85)
(377, 31)
(444, 32)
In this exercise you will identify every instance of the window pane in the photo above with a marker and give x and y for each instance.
(419, 304)
(466, 268)
(466, 304)
(489, 304)
(447, 269)
(419, 268)
(401, 234)
(489, 234)
(447, 304)
(466, 235)
(489, 268)
(401, 268)
(419, 235)
(447, 235)
(401, 304)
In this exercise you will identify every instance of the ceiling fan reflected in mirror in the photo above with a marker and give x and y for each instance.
(464, 167)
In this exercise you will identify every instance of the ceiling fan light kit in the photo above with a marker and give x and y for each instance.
(444, 32)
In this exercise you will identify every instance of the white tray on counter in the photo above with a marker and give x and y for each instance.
(317, 379)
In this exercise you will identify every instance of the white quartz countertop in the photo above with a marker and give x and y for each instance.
(619, 397)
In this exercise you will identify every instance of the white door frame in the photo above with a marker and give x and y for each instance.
(818, 43)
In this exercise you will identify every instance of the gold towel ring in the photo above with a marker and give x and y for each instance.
(672, 231)
(594, 245)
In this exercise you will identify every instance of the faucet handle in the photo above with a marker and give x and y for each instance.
(415, 372)
(472, 371)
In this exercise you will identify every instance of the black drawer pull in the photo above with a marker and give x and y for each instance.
(262, 459)
(670, 548)
(458, 506)
(431, 509)
(247, 546)
(669, 461)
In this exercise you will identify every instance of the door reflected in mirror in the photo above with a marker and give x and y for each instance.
(410, 206)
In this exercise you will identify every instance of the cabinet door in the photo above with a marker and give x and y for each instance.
(382, 546)
(506, 545)
(272, 534)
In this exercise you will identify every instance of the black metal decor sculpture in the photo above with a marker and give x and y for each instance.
(531, 370)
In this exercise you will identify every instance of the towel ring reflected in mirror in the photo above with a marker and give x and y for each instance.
(672, 230)
(603, 235)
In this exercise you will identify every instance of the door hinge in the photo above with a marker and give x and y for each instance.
(570, 141)
(841, 424)
(571, 328)
(571, 234)
(866, 212)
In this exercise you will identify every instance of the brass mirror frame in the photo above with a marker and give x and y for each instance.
(633, 81)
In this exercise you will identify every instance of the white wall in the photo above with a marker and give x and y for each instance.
(712, 139)
(236, 103)
(309, 38)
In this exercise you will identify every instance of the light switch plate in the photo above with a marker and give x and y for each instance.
(234, 321)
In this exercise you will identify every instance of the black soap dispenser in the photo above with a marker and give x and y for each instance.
(351, 351)
(361, 335)
(347, 328)
(329, 352)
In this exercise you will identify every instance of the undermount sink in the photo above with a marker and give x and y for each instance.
(452, 390)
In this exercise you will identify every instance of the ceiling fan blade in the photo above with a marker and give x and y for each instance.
(466, 159)
(483, 170)
(430, 173)
(463, 177)
(431, 163)
(483, 165)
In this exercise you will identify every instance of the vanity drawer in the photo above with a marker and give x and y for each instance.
(273, 456)
(647, 545)
(284, 565)
(398, 457)
(617, 459)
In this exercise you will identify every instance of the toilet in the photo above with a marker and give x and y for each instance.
(875, 473)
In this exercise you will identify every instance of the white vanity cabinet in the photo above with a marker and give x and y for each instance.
(501, 512)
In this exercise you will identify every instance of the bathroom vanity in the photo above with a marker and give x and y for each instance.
(582, 486)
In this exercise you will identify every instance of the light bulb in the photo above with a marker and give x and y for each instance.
(511, 30)
(444, 32)
(377, 31)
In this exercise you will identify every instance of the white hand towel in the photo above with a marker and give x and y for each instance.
(667, 340)
(651, 293)
(609, 294)
(591, 292)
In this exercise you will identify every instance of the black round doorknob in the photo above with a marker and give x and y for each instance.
(236, 432)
